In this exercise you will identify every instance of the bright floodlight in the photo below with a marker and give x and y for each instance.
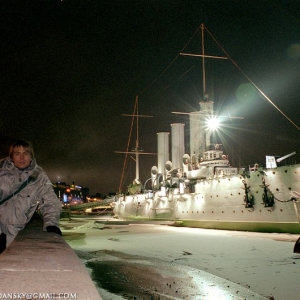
(213, 123)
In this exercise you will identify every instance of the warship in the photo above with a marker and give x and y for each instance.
(201, 188)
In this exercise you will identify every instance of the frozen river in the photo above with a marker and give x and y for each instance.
(158, 261)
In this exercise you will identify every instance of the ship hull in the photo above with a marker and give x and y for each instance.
(219, 203)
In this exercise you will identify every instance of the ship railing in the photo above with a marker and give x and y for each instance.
(254, 168)
(214, 147)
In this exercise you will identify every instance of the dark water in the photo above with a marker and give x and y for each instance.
(123, 276)
(113, 278)
(134, 277)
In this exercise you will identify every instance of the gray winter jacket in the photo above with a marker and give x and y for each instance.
(18, 210)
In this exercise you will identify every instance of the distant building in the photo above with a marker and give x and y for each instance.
(70, 194)
(95, 198)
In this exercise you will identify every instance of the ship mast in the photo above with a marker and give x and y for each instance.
(137, 162)
(203, 55)
(136, 151)
(199, 136)
(203, 63)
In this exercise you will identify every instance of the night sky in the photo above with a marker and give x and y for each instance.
(70, 69)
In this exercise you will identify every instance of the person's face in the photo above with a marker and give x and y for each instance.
(21, 157)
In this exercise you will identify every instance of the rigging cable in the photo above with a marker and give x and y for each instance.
(166, 87)
(257, 88)
(147, 87)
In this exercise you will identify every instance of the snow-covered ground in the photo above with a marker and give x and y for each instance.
(261, 263)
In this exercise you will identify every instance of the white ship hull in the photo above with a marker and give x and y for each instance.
(219, 203)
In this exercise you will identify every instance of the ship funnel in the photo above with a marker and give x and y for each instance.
(286, 156)
(177, 144)
(162, 151)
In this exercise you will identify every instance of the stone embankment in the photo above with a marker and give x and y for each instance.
(41, 265)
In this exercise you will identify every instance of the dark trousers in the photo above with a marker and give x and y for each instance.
(2, 242)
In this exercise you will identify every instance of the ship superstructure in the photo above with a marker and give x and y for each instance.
(202, 189)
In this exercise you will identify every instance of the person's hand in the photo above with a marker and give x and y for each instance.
(53, 229)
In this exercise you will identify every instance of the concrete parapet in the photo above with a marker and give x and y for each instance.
(41, 265)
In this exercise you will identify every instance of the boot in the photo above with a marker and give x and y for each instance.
(297, 246)
(2, 242)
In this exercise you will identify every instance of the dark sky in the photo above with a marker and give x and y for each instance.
(70, 69)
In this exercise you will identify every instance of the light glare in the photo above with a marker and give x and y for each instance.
(213, 123)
